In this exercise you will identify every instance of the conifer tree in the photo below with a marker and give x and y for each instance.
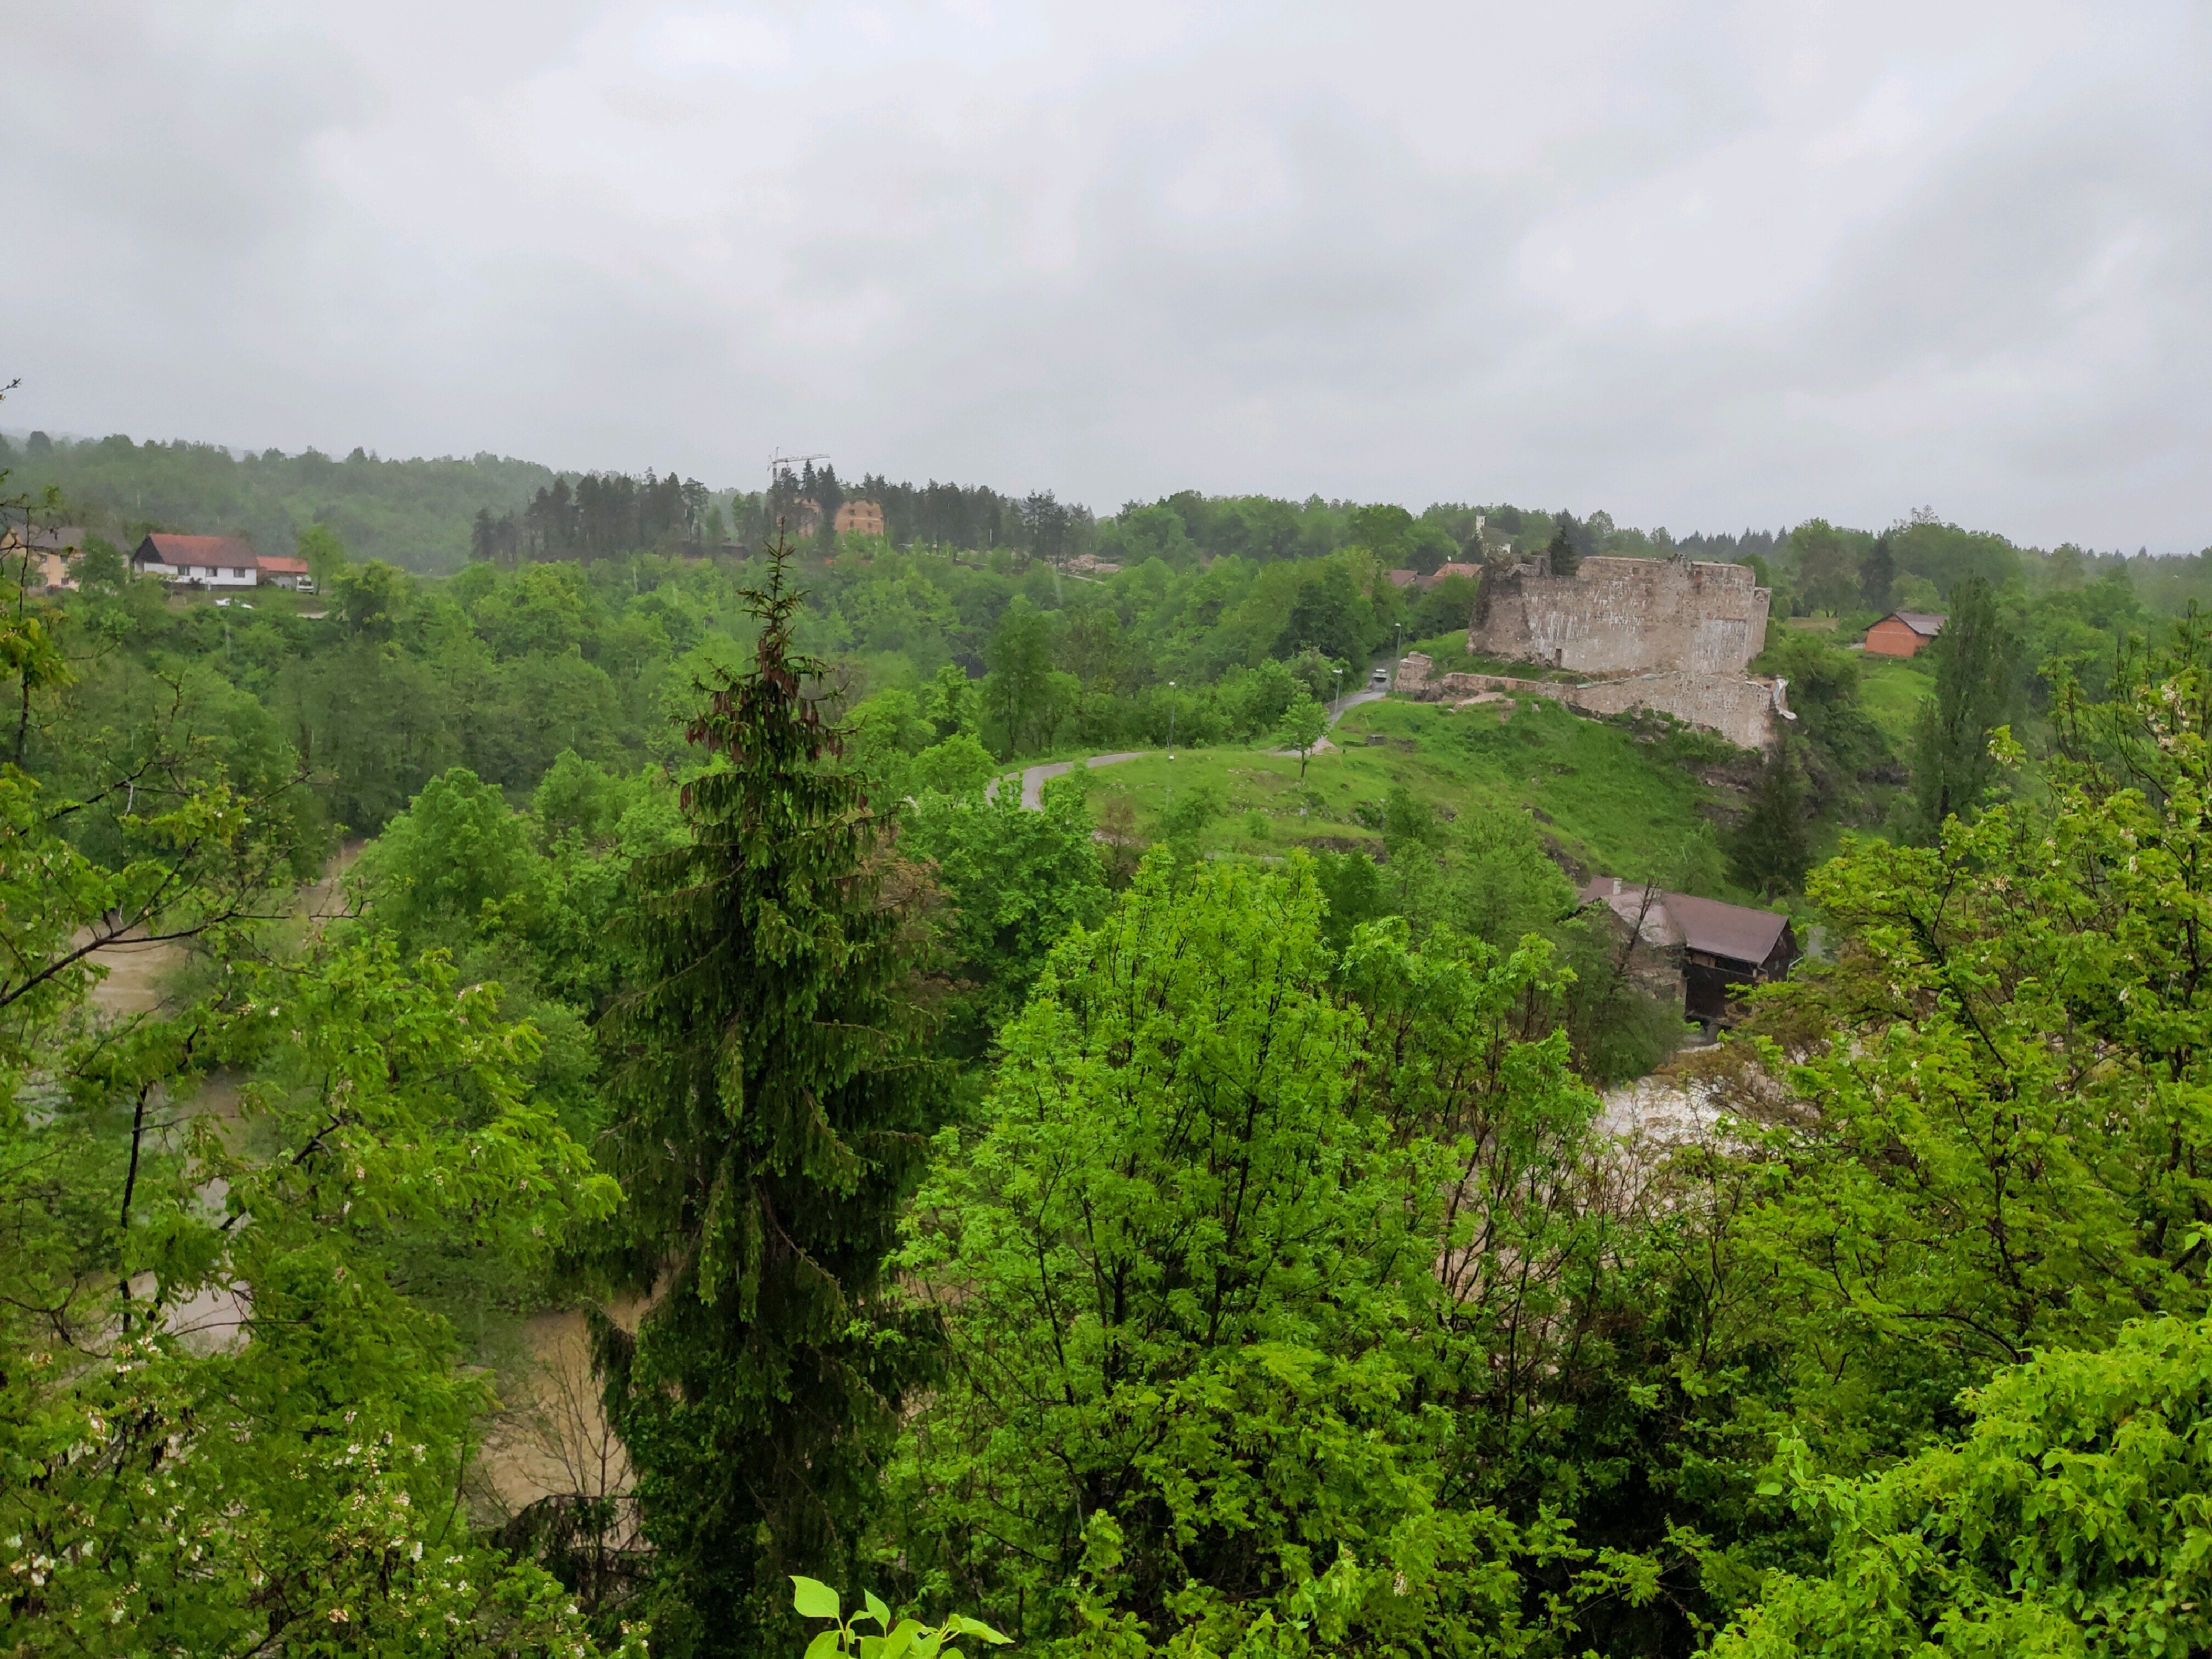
(1768, 853)
(773, 1101)
(1977, 662)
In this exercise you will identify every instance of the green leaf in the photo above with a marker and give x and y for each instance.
(977, 1627)
(877, 1610)
(823, 1646)
(814, 1599)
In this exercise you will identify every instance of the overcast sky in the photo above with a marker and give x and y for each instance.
(1701, 266)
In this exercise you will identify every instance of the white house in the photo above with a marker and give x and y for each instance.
(209, 561)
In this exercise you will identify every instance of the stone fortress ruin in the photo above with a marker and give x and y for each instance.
(1677, 635)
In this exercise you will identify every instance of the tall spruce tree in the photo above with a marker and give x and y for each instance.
(1564, 552)
(773, 1101)
(1769, 852)
(1877, 575)
(1977, 669)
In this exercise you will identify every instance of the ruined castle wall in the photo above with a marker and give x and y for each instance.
(1741, 710)
(1625, 617)
(1746, 711)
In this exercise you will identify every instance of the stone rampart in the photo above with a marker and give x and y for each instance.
(1744, 709)
(1615, 617)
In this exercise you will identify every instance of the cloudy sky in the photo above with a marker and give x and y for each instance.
(1701, 266)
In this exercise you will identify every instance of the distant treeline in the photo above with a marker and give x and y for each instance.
(433, 517)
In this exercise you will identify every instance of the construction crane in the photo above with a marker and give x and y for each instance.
(782, 463)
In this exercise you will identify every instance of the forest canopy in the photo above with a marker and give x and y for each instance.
(603, 1081)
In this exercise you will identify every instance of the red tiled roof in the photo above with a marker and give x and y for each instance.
(282, 566)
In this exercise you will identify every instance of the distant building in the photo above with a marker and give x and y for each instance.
(42, 558)
(1902, 633)
(208, 561)
(860, 519)
(1424, 583)
(283, 573)
(1723, 948)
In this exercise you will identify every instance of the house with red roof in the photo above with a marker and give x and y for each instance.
(215, 562)
(284, 573)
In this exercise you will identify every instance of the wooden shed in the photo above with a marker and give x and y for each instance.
(1902, 633)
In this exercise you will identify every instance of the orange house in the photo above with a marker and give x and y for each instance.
(1902, 633)
(860, 519)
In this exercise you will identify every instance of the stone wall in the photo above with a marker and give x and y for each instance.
(1744, 709)
(1617, 617)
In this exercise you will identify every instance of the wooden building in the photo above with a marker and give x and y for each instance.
(1722, 949)
(1902, 633)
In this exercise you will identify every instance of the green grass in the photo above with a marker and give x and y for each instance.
(1614, 804)
(1450, 655)
(1892, 689)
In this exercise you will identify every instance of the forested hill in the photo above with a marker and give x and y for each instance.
(414, 513)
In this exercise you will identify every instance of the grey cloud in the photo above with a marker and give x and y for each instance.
(1701, 268)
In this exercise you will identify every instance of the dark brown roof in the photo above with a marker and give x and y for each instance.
(1415, 579)
(1734, 930)
(45, 541)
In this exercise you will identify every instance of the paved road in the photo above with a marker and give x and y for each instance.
(1344, 705)
(1033, 777)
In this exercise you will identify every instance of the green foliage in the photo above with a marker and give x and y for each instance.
(895, 1639)
(2069, 1520)
(773, 1096)
(1978, 671)
(444, 868)
(325, 554)
(1015, 882)
(2007, 1147)
(1828, 576)
(1305, 723)
(1189, 1277)
(1330, 616)
(1768, 851)
(225, 1425)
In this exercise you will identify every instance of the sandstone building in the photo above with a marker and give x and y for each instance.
(1677, 635)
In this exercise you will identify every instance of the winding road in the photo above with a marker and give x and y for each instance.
(1033, 777)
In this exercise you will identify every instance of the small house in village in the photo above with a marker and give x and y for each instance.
(1902, 633)
(218, 563)
(209, 561)
(283, 573)
(1423, 582)
(1722, 949)
(42, 558)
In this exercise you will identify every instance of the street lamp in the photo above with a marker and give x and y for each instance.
(1171, 740)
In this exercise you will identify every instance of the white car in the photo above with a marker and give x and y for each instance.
(1380, 680)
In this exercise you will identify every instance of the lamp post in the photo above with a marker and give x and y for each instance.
(1170, 800)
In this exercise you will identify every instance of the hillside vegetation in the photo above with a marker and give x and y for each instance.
(711, 1163)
